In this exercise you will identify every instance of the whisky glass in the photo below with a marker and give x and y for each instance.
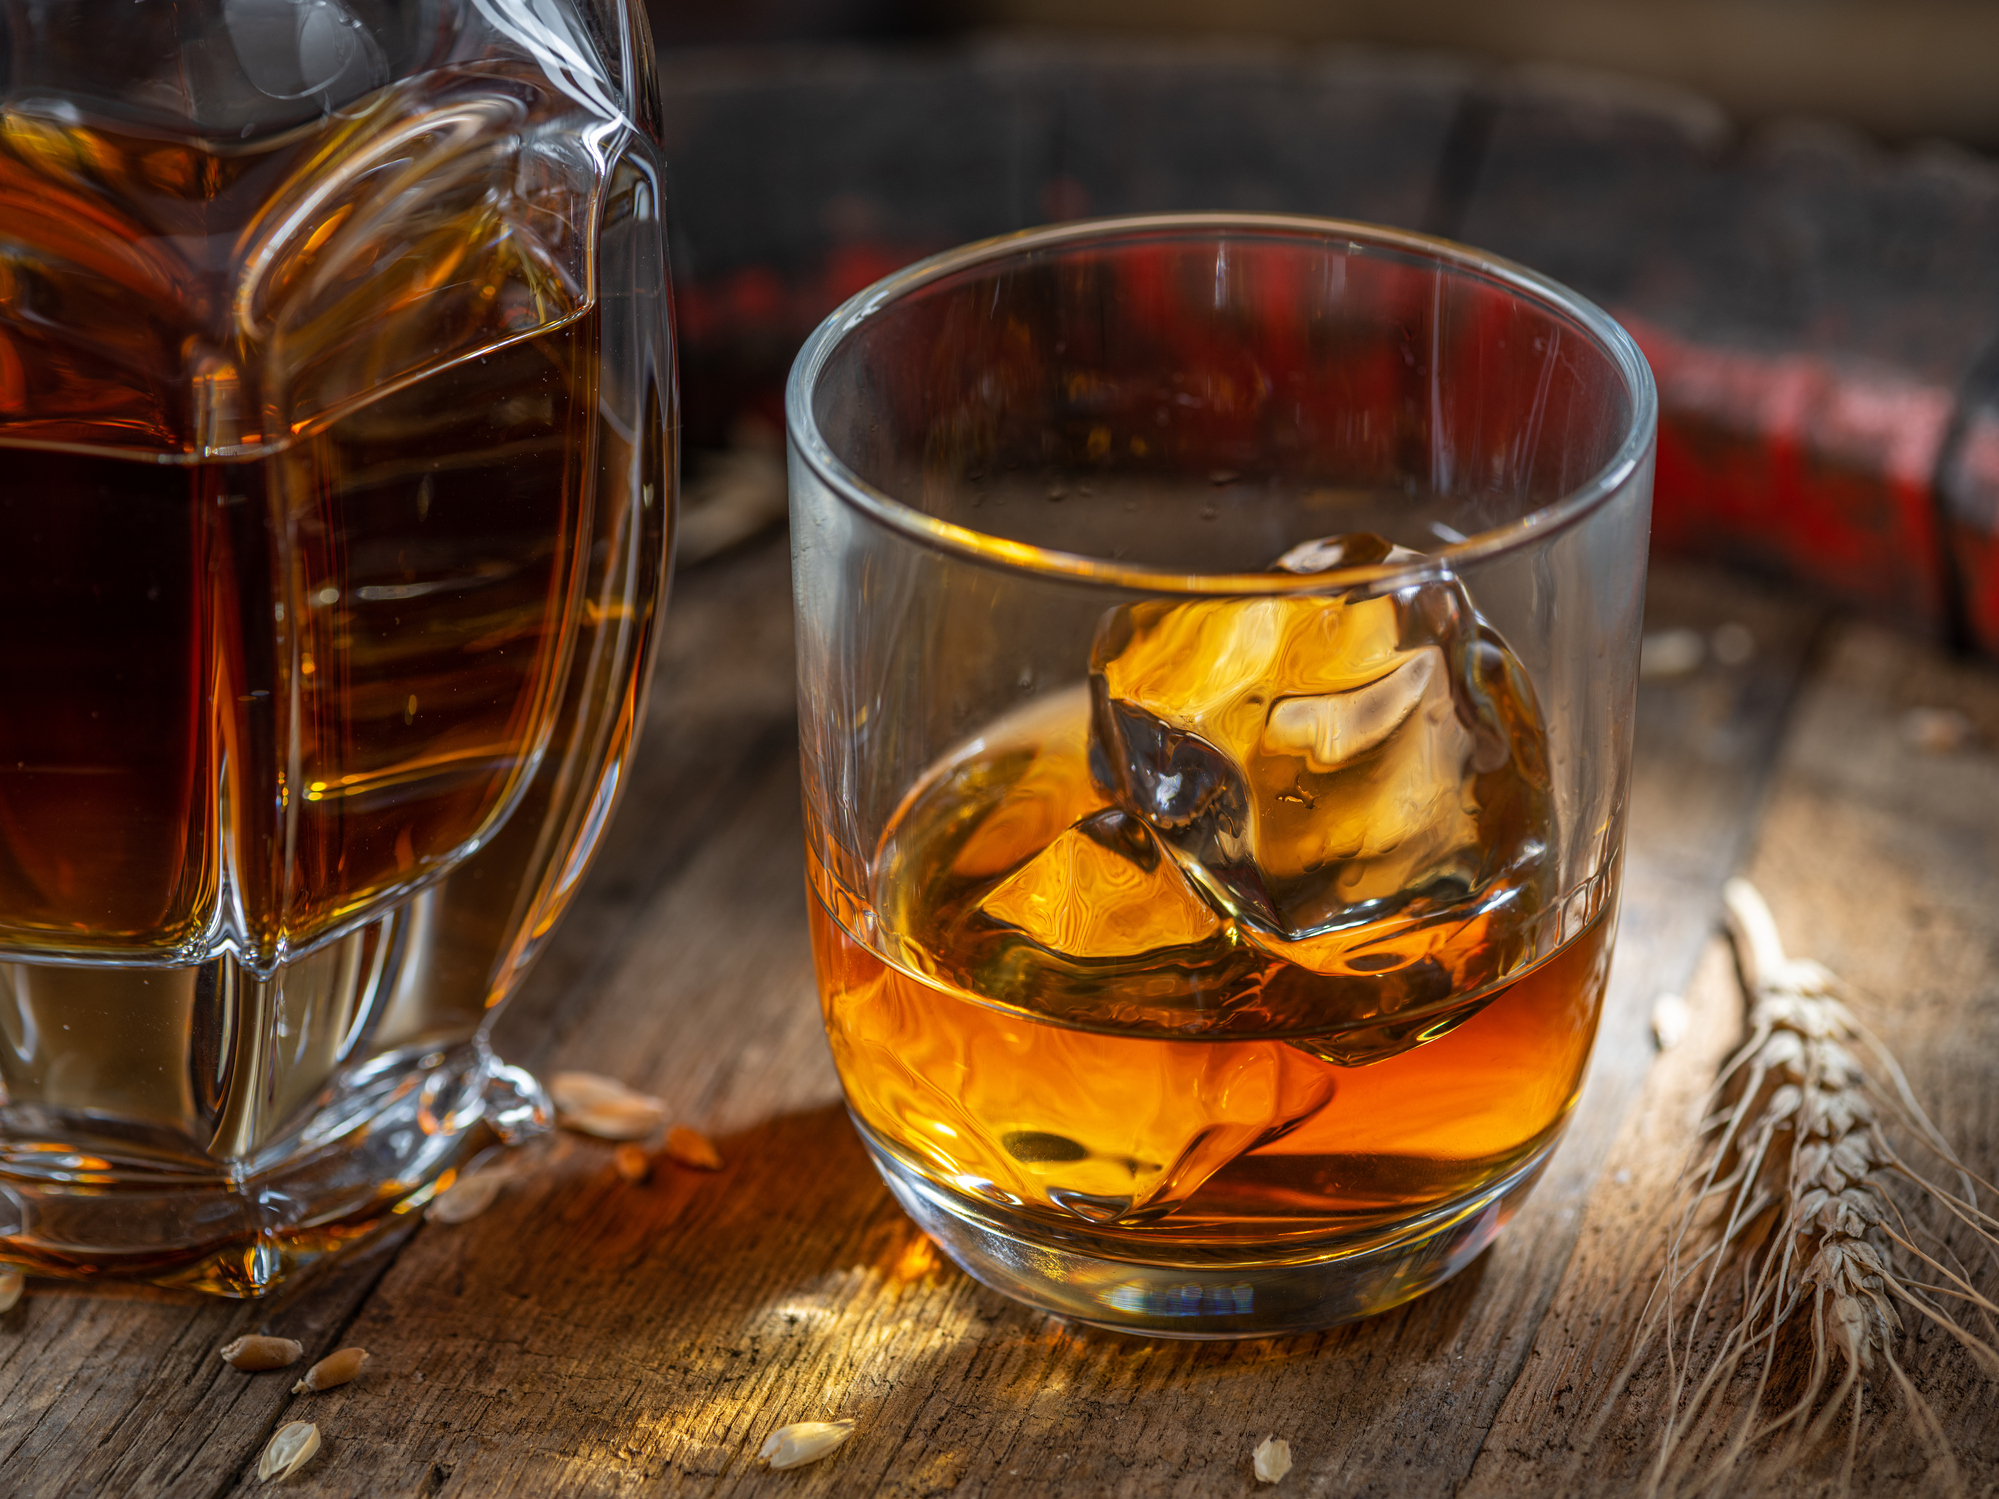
(335, 400)
(1217, 646)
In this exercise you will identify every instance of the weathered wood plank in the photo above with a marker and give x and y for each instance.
(1883, 862)
(1704, 744)
(588, 1337)
(120, 1391)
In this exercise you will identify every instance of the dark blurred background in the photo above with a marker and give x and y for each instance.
(1899, 68)
(708, 23)
(1792, 204)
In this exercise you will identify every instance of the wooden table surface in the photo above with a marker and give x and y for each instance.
(590, 1337)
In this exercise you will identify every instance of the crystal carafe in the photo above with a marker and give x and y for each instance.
(336, 405)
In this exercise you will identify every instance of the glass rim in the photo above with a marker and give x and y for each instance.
(809, 443)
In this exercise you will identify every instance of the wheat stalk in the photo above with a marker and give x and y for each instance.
(1798, 1195)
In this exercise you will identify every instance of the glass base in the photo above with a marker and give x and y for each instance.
(382, 1147)
(1300, 1289)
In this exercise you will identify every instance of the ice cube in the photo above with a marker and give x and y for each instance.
(1010, 878)
(1102, 889)
(1101, 927)
(1318, 762)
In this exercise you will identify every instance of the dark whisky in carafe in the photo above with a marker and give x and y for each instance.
(333, 501)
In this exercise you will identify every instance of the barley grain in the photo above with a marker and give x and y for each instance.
(632, 1120)
(1936, 731)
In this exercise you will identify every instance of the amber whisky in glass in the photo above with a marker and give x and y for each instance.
(1217, 648)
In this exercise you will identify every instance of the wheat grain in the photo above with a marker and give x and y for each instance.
(1271, 1460)
(289, 1450)
(256, 1353)
(1936, 731)
(803, 1442)
(573, 1092)
(692, 1149)
(1670, 1019)
(466, 1198)
(618, 1121)
(602, 1106)
(334, 1369)
(12, 1284)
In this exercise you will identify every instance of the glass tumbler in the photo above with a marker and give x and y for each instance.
(1217, 645)
(335, 395)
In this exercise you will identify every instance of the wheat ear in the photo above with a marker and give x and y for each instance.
(1796, 1215)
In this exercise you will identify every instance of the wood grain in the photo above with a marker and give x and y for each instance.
(791, 1288)
(590, 1337)
(121, 1391)
(1882, 862)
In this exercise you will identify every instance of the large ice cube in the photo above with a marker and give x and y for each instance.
(1103, 889)
(1101, 927)
(1009, 878)
(1318, 762)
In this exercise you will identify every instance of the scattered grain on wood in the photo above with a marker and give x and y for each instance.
(633, 1164)
(466, 1198)
(580, 1092)
(624, 1121)
(255, 1353)
(289, 1450)
(692, 1149)
(335, 1369)
(803, 1442)
(12, 1284)
(1272, 1459)
(593, 1104)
